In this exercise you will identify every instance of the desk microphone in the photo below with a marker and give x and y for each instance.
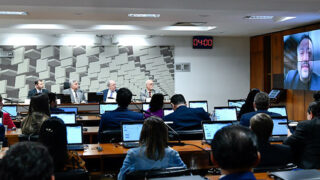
(179, 143)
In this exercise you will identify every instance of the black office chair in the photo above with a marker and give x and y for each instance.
(187, 135)
(78, 174)
(66, 85)
(25, 137)
(110, 136)
(168, 172)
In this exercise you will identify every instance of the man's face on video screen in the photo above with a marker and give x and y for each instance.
(305, 60)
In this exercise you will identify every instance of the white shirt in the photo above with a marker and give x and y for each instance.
(114, 94)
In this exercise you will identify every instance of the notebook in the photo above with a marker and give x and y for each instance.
(11, 110)
(282, 110)
(211, 127)
(145, 106)
(167, 111)
(74, 137)
(69, 109)
(131, 133)
(280, 129)
(67, 117)
(236, 103)
(199, 104)
(225, 113)
(106, 107)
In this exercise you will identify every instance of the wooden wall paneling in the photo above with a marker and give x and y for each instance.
(256, 63)
(308, 98)
(298, 105)
(289, 104)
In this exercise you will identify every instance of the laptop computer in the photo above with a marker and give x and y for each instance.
(145, 106)
(95, 97)
(225, 113)
(237, 103)
(167, 111)
(67, 117)
(64, 98)
(74, 137)
(199, 104)
(11, 110)
(282, 110)
(70, 109)
(103, 107)
(280, 129)
(211, 127)
(297, 174)
(130, 131)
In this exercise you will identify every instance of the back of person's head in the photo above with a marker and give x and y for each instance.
(316, 96)
(156, 102)
(261, 124)
(235, 148)
(154, 135)
(262, 101)
(39, 103)
(53, 135)
(0, 98)
(26, 161)
(314, 108)
(177, 99)
(124, 97)
(251, 95)
(52, 97)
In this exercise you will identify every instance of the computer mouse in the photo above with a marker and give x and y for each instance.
(99, 148)
(85, 129)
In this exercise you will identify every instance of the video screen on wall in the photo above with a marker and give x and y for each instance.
(302, 61)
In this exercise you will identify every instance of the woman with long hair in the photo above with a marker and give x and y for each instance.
(248, 105)
(156, 105)
(53, 135)
(153, 152)
(38, 113)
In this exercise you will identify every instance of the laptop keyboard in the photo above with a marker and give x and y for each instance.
(277, 139)
(76, 147)
(130, 144)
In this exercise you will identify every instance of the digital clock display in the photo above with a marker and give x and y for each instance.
(202, 42)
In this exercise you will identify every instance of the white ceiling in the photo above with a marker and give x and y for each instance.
(226, 15)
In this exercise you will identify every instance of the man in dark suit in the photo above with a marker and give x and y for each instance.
(111, 91)
(305, 141)
(261, 105)
(112, 120)
(271, 154)
(185, 118)
(38, 89)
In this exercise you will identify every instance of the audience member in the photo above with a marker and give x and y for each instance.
(153, 152)
(6, 119)
(27, 161)
(76, 95)
(38, 89)
(316, 96)
(235, 151)
(38, 113)
(185, 118)
(148, 92)
(261, 105)
(305, 141)
(248, 105)
(111, 91)
(271, 154)
(53, 135)
(53, 103)
(156, 105)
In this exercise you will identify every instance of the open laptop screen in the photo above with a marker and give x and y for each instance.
(278, 109)
(131, 131)
(225, 113)
(280, 127)
(12, 110)
(199, 104)
(211, 128)
(67, 118)
(70, 109)
(167, 111)
(145, 106)
(108, 107)
(236, 103)
(74, 134)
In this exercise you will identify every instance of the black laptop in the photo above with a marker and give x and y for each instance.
(69, 109)
(280, 129)
(282, 110)
(74, 137)
(211, 127)
(130, 131)
(64, 98)
(225, 113)
(106, 107)
(237, 103)
(199, 104)
(94, 97)
(67, 117)
(11, 110)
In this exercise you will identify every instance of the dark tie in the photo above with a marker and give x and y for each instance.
(149, 94)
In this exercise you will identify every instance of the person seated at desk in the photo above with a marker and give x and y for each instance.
(111, 91)
(305, 141)
(3, 136)
(76, 95)
(185, 118)
(53, 103)
(38, 113)
(27, 160)
(148, 92)
(38, 89)
(248, 105)
(235, 151)
(156, 105)
(53, 135)
(271, 154)
(6, 119)
(153, 152)
(112, 120)
(261, 105)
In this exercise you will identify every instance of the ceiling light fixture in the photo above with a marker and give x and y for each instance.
(40, 26)
(258, 17)
(144, 15)
(114, 27)
(13, 13)
(188, 28)
(282, 18)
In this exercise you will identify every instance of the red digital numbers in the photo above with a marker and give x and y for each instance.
(202, 42)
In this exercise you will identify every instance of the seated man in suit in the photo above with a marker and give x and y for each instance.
(235, 151)
(112, 120)
(76, 95)
(53, 103)
(261, 105)
(185, 118)
(111, 91)
(305, 141)
(38, 88)
(148, 92)
(271, 154)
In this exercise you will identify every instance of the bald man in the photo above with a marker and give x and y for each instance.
(111, 91)
(148, 92)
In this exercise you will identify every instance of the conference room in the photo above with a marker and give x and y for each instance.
(212, 53)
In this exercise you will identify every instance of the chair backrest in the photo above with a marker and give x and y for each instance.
(66, 85)
(78, 174)
(168, 172)
(110, 136)
(187, 135)
(25, 137)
